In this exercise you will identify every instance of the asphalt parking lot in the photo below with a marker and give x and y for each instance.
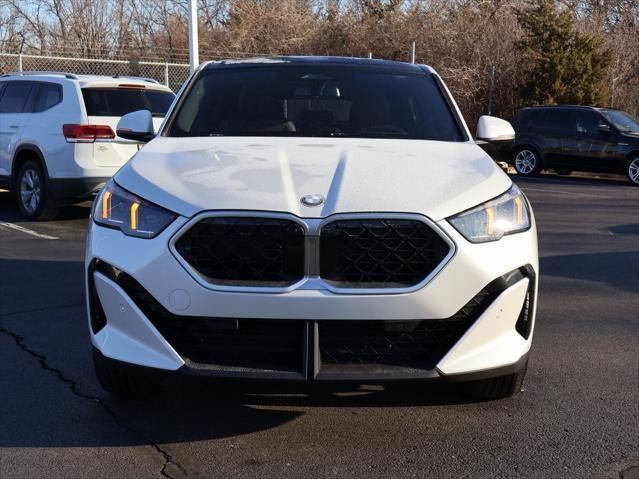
(577, 416)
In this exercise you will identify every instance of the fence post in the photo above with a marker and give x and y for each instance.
(166, 73)
(412, 52)
(20, 62)
(134, 67)
(370, 54)
(194, 48)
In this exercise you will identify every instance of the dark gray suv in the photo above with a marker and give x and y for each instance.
(575, 138)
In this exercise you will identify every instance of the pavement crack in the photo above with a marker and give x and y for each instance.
(169, 462)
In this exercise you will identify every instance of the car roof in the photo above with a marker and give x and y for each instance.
(318, 60)
(580, 107)
(87, 80)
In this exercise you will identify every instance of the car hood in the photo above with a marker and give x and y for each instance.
(189, 175)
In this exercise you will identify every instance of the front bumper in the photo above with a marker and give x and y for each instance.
(488, 343)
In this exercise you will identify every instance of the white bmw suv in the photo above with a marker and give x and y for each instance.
(312, 219)
(57, 134)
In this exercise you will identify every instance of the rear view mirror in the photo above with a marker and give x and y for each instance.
(493, 129)
(603, 128)
(137, 126)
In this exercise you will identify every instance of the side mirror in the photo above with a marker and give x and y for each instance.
(603, 128)
(137, 126)
(493, 129)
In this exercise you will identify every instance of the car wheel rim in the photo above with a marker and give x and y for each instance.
(30, 190)
(633, 171)
(525, 161)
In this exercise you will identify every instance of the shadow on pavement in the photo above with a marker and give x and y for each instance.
(629, 229)
(49, 396)
(27, 285)
(201, 409)
(619, 270)
(9, 210)
(196, 409)
(575, 179)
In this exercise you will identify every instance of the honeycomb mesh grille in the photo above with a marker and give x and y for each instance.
(245, 251)
(379, 253)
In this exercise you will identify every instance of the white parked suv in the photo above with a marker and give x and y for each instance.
(57, 134)
(312, 219)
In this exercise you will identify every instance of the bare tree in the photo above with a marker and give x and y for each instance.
(463, 39)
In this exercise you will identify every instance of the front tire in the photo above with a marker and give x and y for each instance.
(527, 161)
(123, 379)
(31, 192)
(632, 171)
(499, 387)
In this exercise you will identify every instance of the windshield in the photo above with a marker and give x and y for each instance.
(317, 101)
(120, 101)
(622, 121)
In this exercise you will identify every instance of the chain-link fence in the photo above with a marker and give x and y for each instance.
(171, 74)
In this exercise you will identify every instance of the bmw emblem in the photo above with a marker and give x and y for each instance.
(312, 200)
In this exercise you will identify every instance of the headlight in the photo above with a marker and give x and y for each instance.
(504, 215)
(117, 208)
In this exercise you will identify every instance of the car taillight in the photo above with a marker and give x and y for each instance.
(87, 133)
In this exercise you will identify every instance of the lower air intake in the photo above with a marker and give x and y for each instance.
(417, 345)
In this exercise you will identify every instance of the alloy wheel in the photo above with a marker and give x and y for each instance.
(525, 162)
(633, 171)
(30, 190)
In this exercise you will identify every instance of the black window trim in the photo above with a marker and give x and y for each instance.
(171, 115)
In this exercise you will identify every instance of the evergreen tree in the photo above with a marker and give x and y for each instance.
(565, 65)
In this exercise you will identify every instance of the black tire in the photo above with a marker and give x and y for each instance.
(632, 170)
(562, 172)
(497, 388)
(31, 193)
(522, 158)
(124, 379)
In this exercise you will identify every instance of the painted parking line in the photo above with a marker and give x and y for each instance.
(27, 231)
